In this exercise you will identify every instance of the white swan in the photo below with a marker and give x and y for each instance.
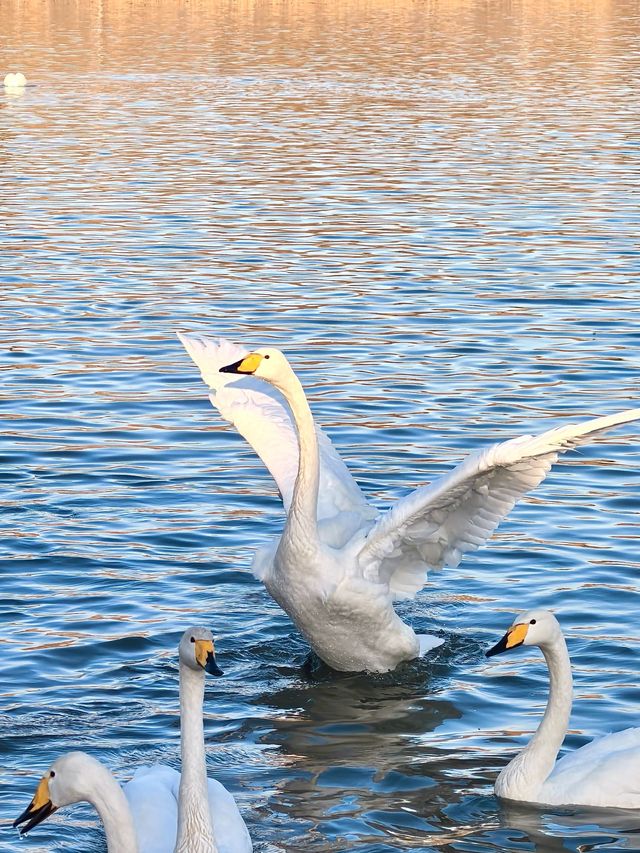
(159, 810)
(340, 564)
(603, 773)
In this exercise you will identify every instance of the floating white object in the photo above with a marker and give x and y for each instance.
(15, 81)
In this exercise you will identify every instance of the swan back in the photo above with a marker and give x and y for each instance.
(605, 772)
(152, 795)
(232, 835)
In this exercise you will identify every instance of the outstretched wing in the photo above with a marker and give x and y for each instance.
(260, 414)
(436, 524)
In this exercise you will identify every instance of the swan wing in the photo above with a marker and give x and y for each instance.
(152, 794)
(436, 524)
(260, 414)
(605, 772)
(229, 829)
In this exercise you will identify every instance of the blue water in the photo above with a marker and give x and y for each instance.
(434, 212)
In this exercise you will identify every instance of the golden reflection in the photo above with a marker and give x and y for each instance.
(222, 31)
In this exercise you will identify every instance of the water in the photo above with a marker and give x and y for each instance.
(433, 208)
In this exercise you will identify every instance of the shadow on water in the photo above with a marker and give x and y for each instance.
(353, 752)
(432, 208)
(572, 829)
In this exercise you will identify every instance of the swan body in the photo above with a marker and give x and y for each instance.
(604, 773)
(159, 787)
(159, 810)
(340, 564)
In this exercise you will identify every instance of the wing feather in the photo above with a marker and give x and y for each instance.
(260, 414)
(152, 794)
(231, 833)
(436, 524)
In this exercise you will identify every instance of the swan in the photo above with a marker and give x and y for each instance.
(603, 773)
(159, 810)
(340, 564)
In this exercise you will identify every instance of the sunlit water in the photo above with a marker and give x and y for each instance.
(433, 208)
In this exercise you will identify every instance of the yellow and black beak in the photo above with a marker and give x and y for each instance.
(206, 657)
(247, 365)
(39, 809)
(515, 636)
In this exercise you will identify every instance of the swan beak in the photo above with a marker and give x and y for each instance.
(249, 364)
(206, 657)
(211, 666)
(39, 809)
(515, 636)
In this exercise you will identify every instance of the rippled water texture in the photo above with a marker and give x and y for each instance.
(433, 208)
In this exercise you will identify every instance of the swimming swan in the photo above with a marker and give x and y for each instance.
(340, 563)
(159, 810)
(603, 773)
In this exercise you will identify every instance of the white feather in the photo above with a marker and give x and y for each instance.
(437, 524)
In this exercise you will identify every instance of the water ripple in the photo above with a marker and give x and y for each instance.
(434, 210)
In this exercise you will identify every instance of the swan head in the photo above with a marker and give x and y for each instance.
(197, 651)
(531, 628)
(266, 363)
(64, 783)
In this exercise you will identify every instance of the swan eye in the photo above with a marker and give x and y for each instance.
(533, 622)
(52, 774)
(267, 356)
(193, 639)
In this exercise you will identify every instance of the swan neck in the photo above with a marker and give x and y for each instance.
(552, 730)
(195, 831)
(112, 806)
(524, 776)
(304, 502)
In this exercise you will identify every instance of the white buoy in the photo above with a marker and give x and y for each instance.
(15, 81)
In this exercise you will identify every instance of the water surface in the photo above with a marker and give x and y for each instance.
(433, 209)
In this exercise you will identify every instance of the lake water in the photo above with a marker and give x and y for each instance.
(433, 208)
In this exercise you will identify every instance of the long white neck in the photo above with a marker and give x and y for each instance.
(523, 777)
(109, 800)
(195, 831)
(303, 512)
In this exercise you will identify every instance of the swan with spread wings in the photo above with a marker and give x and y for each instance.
(340, 563)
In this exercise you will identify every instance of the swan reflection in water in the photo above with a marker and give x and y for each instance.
(572, 828)
(354, 756)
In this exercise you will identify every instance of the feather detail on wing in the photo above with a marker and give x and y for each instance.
(436, 524)
(260, 414)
